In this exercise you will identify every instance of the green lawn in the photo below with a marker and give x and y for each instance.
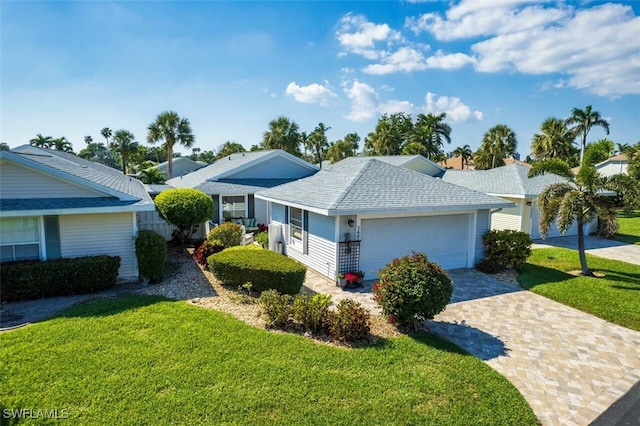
(615, 298)
(147, 360)
(629, 230)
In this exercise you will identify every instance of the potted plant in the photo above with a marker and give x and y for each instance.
(360, 277)
(341, 281)
(353, 279)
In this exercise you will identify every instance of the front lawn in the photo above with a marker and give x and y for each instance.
(147, 360)
(629, 230)
(615, 298)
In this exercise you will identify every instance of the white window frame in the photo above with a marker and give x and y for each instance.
(39, 242)
(244, 212)
(296, 227)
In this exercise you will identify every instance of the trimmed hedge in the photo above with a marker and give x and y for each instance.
(264, 269)
(151, 251)
(506, 249)
(60, 277)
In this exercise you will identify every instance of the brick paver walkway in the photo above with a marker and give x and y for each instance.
(570, 366)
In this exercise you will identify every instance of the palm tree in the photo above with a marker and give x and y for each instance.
(168, 126)
(124, 142)
(106, 133)
(465, 154)
(62, 144)
(431, 132)
(152, 175)
(575, 200)
(583, 121)
(88, 139)
(498, 143)
(555, 140)
(318, 142)
(42, 141)
(229, 148)
(282, 134)
(391, 133)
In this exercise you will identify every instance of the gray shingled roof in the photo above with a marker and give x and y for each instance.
(239, 186)
(511, 180)
(373, 186)
(14, 204)
(99, 174)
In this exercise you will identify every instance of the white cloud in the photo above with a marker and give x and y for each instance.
(393, 106)
(312, 94)
(359, 36)
(405, 59)
(455, 109)
(449, 61)
(364, 101)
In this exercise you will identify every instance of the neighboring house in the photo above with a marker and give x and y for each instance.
(417, 163)
(613, 166)
(56, 205)
(456, 163)
(513, 184)
(359, 215)
(232, 181)
(181, 166)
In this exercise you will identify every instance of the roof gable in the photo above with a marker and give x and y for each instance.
(417, 163)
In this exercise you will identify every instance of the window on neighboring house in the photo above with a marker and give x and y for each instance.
(19, 239)
(233, 206)
(296, 224)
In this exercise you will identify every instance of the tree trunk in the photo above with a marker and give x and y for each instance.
(581, 253)
(582, 146)
(170, 159)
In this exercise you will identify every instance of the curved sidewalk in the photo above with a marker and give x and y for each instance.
(570, 366)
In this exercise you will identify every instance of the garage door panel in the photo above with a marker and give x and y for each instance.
(443, 238)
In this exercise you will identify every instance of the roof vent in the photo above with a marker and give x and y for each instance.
(229, 157)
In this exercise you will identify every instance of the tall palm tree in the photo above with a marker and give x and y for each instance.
(431, 132)
(391, 133)
(125, 143)
(465, 154)
(555, 140)
(319, 143)
(41, 141)
(229, 148)
(106, 133)
(282, 134)
(170, 128)
(498, 143)
(583, 121)
(88, 139)
(62, 144)
(574, 201)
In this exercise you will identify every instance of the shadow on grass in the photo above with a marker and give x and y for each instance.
(472, 340)
(534, 275)
(112, 306)
(627, 238)
(616, 275)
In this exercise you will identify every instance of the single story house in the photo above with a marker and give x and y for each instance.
(232, 181)
(362, 213)
(417, 163)
(512, 183)
(181, 166)
(56, 205)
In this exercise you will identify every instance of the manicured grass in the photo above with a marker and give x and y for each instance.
(147, 360)
(629, 230)
(615, 298)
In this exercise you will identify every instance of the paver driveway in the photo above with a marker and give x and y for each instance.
(570, 366)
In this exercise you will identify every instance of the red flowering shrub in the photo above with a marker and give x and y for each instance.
(350, 322)
(412, 289)
(205, 250)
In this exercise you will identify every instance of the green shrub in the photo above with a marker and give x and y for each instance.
(151, 251)
(507, 248)
(412, 289)
(276, 307)
(205, 250)
(312, 312)
(185, 208)
(264, 269)
(226, 235)
(350, 322)
(60, 277)
(489, 266)
(262, 238)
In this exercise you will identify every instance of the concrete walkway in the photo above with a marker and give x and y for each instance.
(601, 247)
(570, 366)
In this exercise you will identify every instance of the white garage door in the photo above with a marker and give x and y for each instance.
(553, 229)
(445, 240)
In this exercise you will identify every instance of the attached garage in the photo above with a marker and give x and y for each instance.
(445, 240)
(553, 229)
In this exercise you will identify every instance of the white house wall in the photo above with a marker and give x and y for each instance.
(260, 210)
(508, 218)
(97, 234)
(482, 227)
(20, 182)
(321, 253)
(613, 169)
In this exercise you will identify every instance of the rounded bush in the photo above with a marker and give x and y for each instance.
(185, 208)
(412, 289)
(264, 269)
(226, 235)
(350, 322)
(507, 248)
(151, 251)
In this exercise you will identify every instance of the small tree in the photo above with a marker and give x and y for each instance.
(185, 208)
(412, 289)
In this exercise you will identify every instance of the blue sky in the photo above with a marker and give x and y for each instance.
(72, 68)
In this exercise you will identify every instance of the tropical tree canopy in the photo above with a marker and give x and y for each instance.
(554, 140)
(577, 200)
(124, 142)
(597, 152)
(98, 153)
(318, 143)
(582, 121)
(431, 132)
(282, 134)
(41, 141)
(465, 153)
(343, 148)
(497, 144)
(62, 144)
(106, 133)
(170, 128)
(390, 135)
(228, 148)
(152, 175)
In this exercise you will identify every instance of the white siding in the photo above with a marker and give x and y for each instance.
(482, 227)
(20, 182)
(508, 218)
(321, 255)
(96, 234)
(152, 221)
(611, 169)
